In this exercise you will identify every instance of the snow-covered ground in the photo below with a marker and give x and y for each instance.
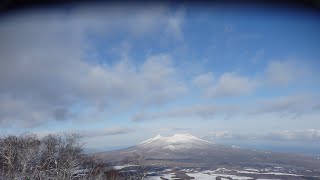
(267, 173)
(167, 176)
(223, 174)
(123, 166)
(201, 175)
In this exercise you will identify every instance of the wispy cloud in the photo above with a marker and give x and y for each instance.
(203, 80)
(174, 24)
(88, 133)
(285, 135)
(289, 106)
(284, 72)
(204, 111)
(228, 84)
(294, 105)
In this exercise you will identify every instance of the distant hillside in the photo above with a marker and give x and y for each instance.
(188, 150)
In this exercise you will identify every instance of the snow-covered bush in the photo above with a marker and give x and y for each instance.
(51, 157)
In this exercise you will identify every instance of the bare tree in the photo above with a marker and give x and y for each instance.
(52, 157)
(140, 169)
(8, 154)
(27, 153)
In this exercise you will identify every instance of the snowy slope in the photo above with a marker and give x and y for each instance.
(176, 142)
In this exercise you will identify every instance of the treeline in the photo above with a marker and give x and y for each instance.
(53, 157)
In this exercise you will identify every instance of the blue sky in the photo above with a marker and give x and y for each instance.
(118, 74)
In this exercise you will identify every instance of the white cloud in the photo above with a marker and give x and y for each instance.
(204, 111)
(174, 24)
(137, 21)
(283, 72)
(44, 72)
(204, 80)
(231, 84)
(104, 132)
(280, 107)
(228, 84)
(43, 96)
(290, 105)
(88, 133)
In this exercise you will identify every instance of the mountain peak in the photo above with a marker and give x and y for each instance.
(175, 142)
(151, 139)
(157, 136)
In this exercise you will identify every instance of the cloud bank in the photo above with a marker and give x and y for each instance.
(45, 73)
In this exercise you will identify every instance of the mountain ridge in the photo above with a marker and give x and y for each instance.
(188, 150)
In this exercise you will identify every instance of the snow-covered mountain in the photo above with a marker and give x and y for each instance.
(188, 150)
(176, 142)
(178, 146)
